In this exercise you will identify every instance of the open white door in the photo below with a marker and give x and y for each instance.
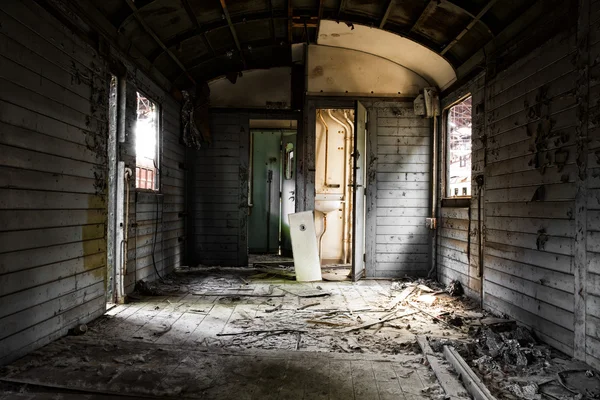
(358, 196)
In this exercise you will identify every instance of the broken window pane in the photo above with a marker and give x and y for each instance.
(458, 150)
(146, 144)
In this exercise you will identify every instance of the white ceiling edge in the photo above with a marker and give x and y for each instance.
(340, 71)
(257, 88)
(400, 50)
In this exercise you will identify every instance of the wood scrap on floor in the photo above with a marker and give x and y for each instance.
(428, 299)
(448, 381)
(471, 381)
(370, 324)
(361, 307)
(277, 331)
(307, 294)
(238, 295)
(304, 307)
(321, 322)
(401, 297)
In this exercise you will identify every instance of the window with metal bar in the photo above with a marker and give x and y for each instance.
(146, 144)
(458, 149)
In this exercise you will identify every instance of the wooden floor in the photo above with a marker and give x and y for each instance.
(192, 318)
(148, 370)
(220, 337)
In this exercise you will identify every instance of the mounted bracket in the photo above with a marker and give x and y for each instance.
(431, 223)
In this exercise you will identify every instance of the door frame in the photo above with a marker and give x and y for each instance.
(243, 117)
(306, 147)
(276, 178)
(359, 186)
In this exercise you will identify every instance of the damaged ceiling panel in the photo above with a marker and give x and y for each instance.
(211, 38)
(338, 71)
(424, 62)
(441, 22)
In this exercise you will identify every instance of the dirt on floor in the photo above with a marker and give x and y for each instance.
(237, 310)
(508, 358)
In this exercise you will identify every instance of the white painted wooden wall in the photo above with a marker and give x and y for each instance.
(541, 192)
(52, 169)
(53, 174)
(170, 200)
(455, 234)
(398, 242)
(592, 200)
(531, 112)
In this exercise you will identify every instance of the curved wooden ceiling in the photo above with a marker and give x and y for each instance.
(203, 39)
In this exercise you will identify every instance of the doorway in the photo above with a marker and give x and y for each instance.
(271, 189)
(339, 198)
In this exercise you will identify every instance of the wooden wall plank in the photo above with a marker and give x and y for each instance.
(53, 135)
(398, 192)
(52, 207)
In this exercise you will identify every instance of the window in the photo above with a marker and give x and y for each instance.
(458, 149)
(288, 166)
(146, 144)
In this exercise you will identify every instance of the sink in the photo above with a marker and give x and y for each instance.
(327, 203)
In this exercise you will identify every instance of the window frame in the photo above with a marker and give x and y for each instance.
(453, 201)
(159, 135)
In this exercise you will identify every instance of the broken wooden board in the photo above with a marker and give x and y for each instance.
(490, 321)
(476, 388)
(307, 294)
(380, 321)
(401, 297)
(425, 288)
(270, 270)
(428, 299)
(210, 294)
(448, 381)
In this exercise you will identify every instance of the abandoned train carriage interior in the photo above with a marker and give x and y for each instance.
(303, 199)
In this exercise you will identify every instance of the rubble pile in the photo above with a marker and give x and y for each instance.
(274, 312)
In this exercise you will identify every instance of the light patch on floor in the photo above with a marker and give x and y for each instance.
(230, 333)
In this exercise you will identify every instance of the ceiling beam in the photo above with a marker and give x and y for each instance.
(199, 67)
(206, 28)
(128, 18)
(342, 7)
(424, 14)
(320, 17)
(190, 13)
(290, 11)
(150, 32)
(272, 20)
(194, 19)
(475, 20)
(233, 33)
(302, 22)
(470, 13)
(386, 14)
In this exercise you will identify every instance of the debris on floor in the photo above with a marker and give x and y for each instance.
(245, 309)
(513, 364)
(455, 288)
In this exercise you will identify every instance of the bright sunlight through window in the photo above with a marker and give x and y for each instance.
(146, 144)
(458, 150)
